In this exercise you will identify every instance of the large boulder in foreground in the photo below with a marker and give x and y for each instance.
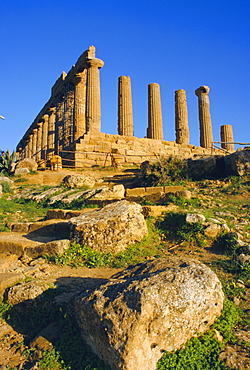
(110, 229)
(147, 309)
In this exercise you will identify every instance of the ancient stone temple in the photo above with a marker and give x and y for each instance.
(69, 124)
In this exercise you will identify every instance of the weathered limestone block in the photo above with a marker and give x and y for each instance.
(26, 292)
(181, 117)
(125, 112)
(227, 138)
(206, 134)
(51, 248)
(116, 192)
(135, 192)
(78, 181)
(27, 163)
(212, 230)
(110, 229)
(147, 309)
(156, 211)
(195, 217)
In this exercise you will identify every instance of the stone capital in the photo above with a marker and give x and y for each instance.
(78, 78)
(202, 90)
(95, 63)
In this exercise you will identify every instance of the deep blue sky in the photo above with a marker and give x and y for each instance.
(178, 44)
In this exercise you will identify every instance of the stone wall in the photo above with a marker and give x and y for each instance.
(106, 150)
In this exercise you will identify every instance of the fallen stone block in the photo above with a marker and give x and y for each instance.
(110, 229)
(147, 309)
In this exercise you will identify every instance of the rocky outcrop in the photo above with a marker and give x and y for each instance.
(110, 229)
(148, 309)
(238, 163)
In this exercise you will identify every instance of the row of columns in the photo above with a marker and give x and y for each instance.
(75, 112)
(155, 126)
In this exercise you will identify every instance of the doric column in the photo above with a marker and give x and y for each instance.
(93, 107)
(181, 117)
(125, 112)
(30, 146)
(155, 130)
(206, 134)
(226, 137)
(59, 127)
(39, 141)
(68, 121)
(34, 143)
(51, 132)
(45, 136)
(80, 104)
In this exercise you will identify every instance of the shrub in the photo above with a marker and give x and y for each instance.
(163, 172)
(7, 161)
(6, 187)
(175, 227)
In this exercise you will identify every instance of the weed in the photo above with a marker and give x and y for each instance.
(77, 255)
(21, 179)
(4, 307)
(175, 227)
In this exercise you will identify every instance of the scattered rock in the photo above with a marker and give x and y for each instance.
(195, 217)
(212, 230)
(235, 358)
(78, 181)
(116, 192)
(5, 179)
(27, 163)
(21, 171)
(9, 278)
(184, 194)
(156, 211)
(26, 291)
(110, 229)
(46, 338)
(148, 309)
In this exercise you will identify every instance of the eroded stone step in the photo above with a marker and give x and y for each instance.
(36, 246)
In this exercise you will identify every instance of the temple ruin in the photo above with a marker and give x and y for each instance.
(69, 124)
